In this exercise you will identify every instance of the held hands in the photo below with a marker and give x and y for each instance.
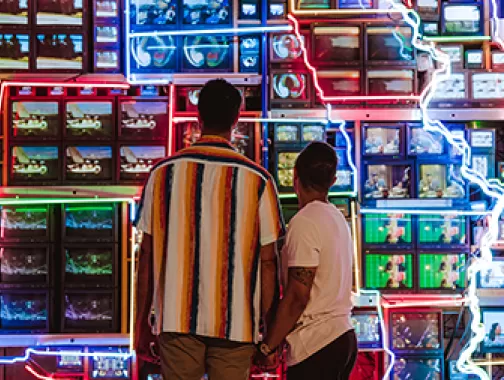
(265, 359)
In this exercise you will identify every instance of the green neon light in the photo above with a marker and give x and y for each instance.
(456, 38)
(331, 194)
(89, 208)
(30, 209)
(47, 201)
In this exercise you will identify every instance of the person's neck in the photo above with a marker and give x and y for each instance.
(313, 196)
(226, 135)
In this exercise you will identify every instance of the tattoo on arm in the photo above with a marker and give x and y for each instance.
(303, 275)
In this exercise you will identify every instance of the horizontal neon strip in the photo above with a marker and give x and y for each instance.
(331, 194)
(457, 38)
(423, 212)
(233, 31)
(32, 351)
(101, 208)
(44, 201)
(185, 119)
(18, 209)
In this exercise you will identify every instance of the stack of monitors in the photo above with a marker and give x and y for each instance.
(106, 24)
(416, 337)
(26, 268)
(90, 268)
(482, 143)
(493, 320)
(367, 327)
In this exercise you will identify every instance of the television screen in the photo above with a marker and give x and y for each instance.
(92, 266)
(386, 44)
(367, 329)
(452, 88)
(482, 138)
(206, 12)
(107, 34)
(89, 119)
(24, 311)
(143, 119)
(106, 60)
(430, 28)
(382, 140)
(207, 53)
(493, 276)
(89, 311)
(344, 173)
(388, 271)
(285, 169)
(35, 119)
(35, 163)
(152, 13)
(311, 133)
(340, 83)
(422, 142)
(455, 54)
(59, 51)
(59, 13)
(71, 363)
(387, 229)
(109, 367)
(487, 86)
(106, 9)
(90, 222)
(428, 8)
(286, 48)
(336, 45)
(314, 4)
(442, 230)
(153, 54)
(287, 133)
(441, 181)
(461, 19)
(355, 4)
(442, 271)
(387, 181)
(242, 138)
(483, 164)
(474, 59)
(14, 51)
(391, 82)
(89, 163)
(26, 266)
(14, 12)
(497, 60)
(249, 10)
(25, 222)
(289, 87)
(418, 368)
(416, 331)
(137, 161)
(276, 11)
(493, 319)
(249, 56)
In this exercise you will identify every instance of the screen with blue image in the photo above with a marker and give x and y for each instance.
(206, 53)
(14, 12)
(249, 10)
(154, 13)
(14, 51)
(206, 12)
(344, 173)
(59, 51)
(153, 54)
(249, 54)
(355, 4)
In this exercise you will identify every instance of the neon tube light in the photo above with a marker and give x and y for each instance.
(457, 38)
(36, 374)
(334, 12)
(496, 25)
(185, 119)
(232, 31)
(422, 212)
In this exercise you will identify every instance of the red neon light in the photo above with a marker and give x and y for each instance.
(313, 71)
(170, 120)
(36, 374)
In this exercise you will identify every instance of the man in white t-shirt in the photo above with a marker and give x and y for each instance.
(314, 313)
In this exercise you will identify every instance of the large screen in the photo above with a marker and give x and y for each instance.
(442, 231)
(90, 222)
(340, 83)
(91, 266)
(288, 87)
(452, 88)
(487, 86)
(59, 13)
(25, 222)
(367, 329)
(461, 19)
(14, 12)
(206, 12)
(388, 271)
(387, 181)
(382, 141)
(207, 53)
(89, 120)
(336, 45)
(89, 311)
(441, 181)
(415, 331)
(24, 311)
(153, 54)
(387, 229)
(390, 82)
(418, 368)
(138, 160)
(24, 265)
(89, 163)
(153, 13)
(143, 119)
(389, 44)
(59, 51)
(493, 319)
(14, 51)
(286, 48)
(493, 277)
(441, 271)
(422, 142)
(35, 119)
(34, 163)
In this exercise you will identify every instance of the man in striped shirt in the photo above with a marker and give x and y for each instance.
(211, 220)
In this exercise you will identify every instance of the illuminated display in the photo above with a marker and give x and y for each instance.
(482, 139)
(26, 266)
(89, 163)
(497, 60)
(206, 53)
(387, 181)
(286, 133)
(59, 13)
(288, 87)
(441, 181)
(106, 9)
(367, 329)
(341, 82)
(454, 53)
(487, 86)
(249, 54)
(206, 12)
(428, 9)
(34, 163)
(379, 141)
(285, 48)
(153, 12)
(143, 119)
(24, 223)
(89, 119)
(385, 44)
(390, 82)
(442, 271)
(88, 310)
(422, 142)
(107, 34)
(388, 271)
(336, 45)
(89, 265)
(418, 367)
(355, 4)
(493, 320)
(14, 12)
(285, 169)
(461, 19)
(14, 51)
(415, 331)
(109, 367)
(387, 230)
(452, 88)
(249, 10)
(493, 277)
(59, 51)
(36, 119)
(95, 222)
(314, 4)
(106, 59)
(311, 133)
(442, 231)
(23, 311)
(138, 161)
(153, 53)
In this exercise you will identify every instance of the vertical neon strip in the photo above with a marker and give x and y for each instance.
(265, 85)
(132, 282)
(171, 125)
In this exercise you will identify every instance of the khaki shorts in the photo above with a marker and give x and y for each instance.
(189, 357)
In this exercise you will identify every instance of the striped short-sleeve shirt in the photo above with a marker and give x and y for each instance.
(209, 210)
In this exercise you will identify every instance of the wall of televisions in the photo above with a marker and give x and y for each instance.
(93, 93)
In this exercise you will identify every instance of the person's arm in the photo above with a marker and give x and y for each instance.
(292, 305)
(270, 292)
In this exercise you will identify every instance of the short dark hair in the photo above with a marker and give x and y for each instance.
(219, 105)
(316, 166)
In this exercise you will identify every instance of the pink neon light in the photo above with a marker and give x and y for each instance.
(432, 303)
(36, 374)
(319, 89)
(170, 119)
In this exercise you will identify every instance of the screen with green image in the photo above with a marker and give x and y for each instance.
(442, 271)
(389, 271)
(442, 229)
(387, 229)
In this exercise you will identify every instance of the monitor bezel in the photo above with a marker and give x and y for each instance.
(48, 297)
(49, 233)
(461, 3)
(113, 119)
(384, 156)
(141, 135)
(445, 163)
(49, 259)
(387, 63)
(409, 134)
(141, 178)
(411, 253)
(34, 99)
(347, 99)
(90, 180)
(299, 60)
(388, 246)
(92, 236)
(456, 100)
(399, 69)
(29, 180)
(331, 65)
(291, 103)
(456, 251)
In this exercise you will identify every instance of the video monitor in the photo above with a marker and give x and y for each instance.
(314, 4)
(59, 51)
(455, 374)
(109, 367)
(14, 12)
(387, 181)
(24, 311)
(430, 29)
(312, 132)
(487, 86)
(249, 54)
(416, 331)
(389, 231)
(493, 276)
(344, 173)
(442, 271)
(106, 60)
(35, 119)
(138, 160)
(152, 13)
(89, 163)
(474, 59)
(462, 19)
(428, 9)
(497, 60)
(453, 88)
(14, 51)
(482, 139)
(493, 319)
(337, 45)
(108, 34)
(290, 88)
(383, 140)
(90, 311)
(441, 181)
(106, 9)
(355, 4)
(340, 83)
(277, 11)
(89, 120)
(34, 163)
(207, 53)
(389, 45)
(442, 231)
(24, 265)
(59, 13)
(83, 222)
(25, 223)
(154, 54)
(391, 82)
(418, 367)
(367, 328)
(286, 48)
(206, 12)
(143, 119)
(388, 272)
(425, 143)
(455, 54)
(249, 10)
(70, 363)
(285, 169)
(483, 164)
(90, 266)
(243, 139)
(287, 133)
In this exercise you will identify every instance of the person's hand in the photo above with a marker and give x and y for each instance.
(267, 363)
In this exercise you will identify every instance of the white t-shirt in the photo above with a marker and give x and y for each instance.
(318, 236)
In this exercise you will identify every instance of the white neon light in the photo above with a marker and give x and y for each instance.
(423, 212)
(496, 25)
(230, 31)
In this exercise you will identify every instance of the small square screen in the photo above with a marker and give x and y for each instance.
(387, 229)
(285, 168)
(144, 119)
(24, 223)
(389, 271)
(206, 12)
(14, 51)
(382, 141)
(421, 368)
(35, 163)
(89, 119)
(493, 319)
(387, 181)
(416, 331)
(89, 310)
(35, 119)
(91, 266)
(138, 161)
(290, 86)
(442, 271)
(441, 181)
(89, 163)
